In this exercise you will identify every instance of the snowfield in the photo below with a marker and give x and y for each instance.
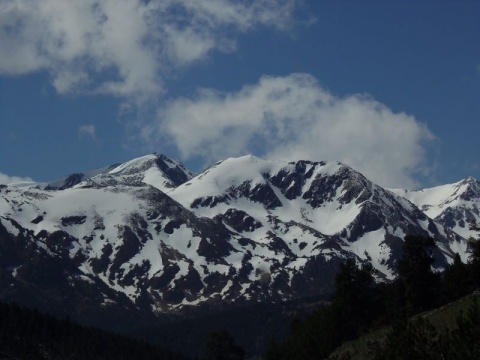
(245, 229)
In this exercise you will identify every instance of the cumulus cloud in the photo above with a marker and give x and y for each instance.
(293, 117)
(130, 48)
(6, 179)
(124, 48)
(87, 131)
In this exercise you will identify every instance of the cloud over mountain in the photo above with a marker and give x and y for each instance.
(133, 50)
(7, 179)
(293, 117)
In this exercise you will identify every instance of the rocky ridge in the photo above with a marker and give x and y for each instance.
(149, 235)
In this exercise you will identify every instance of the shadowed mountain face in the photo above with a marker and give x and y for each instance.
(148, 236)
(456, 206)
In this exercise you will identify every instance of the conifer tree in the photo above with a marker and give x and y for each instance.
(456, 280)
(474, 258)
(354, 301)
(221, 346)
(416, 274)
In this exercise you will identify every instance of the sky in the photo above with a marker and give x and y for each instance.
(391, 88)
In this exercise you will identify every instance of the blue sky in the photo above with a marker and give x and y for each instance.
(391, 88)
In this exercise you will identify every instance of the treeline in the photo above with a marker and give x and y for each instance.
(27, 334)
(417, 338)
(251, 325)
(359, 305)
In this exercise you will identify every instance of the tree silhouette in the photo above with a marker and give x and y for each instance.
(474, 258)
(221, 346)
(456, 280)
(416, 274)
(354, 302)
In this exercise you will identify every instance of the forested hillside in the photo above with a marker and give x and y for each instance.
(361, 306)
(27, 334)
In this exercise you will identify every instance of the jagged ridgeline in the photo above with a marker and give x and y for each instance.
(150, 236)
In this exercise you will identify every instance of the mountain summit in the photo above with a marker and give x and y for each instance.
(149, 235)
(158, 170)
(456, 206)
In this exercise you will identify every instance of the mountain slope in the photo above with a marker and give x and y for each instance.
(147, 236)
(157, 170)
(311, 208)
(455, 206)
(442, 320)
(26, 334)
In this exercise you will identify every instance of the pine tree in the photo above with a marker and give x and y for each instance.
(221, 346)
(474, 261)
(456, 280)
(416, 274)
(354, 303)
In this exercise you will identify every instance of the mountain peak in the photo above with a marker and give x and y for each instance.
(245, 229)
(470, 179)
(154, 169)
(471, 189)
(453, 205)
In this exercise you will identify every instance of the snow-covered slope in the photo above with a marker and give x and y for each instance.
(157, 170)
(306, 205)
(73, 179)
(148, 234)
(455, 206)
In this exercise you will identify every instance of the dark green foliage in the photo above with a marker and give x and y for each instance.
(456, 280)
(221, 346)
(314, 338)
(464, 342)
(410, 340)
(474, 261)
(353, 309)
(253, 326)
(27, 334)
(415, 272)
(359, 306)
(475, 248)
(418, 339)
(356, 302)
(273, 352)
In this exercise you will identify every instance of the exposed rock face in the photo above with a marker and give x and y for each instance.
(456, 206)
(148, 235)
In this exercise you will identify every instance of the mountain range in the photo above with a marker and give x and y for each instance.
(151, 237)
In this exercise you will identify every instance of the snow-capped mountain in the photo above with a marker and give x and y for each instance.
(456, 206)
(158, 170)
(313, 209)
(148, 234)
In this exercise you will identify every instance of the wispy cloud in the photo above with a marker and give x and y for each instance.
(125, 48)
(87, 131)
(7, 179)
(293, 117)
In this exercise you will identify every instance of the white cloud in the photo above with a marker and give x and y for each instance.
(293, 117)
(6, 179)
(124, 47)
(87, 131)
